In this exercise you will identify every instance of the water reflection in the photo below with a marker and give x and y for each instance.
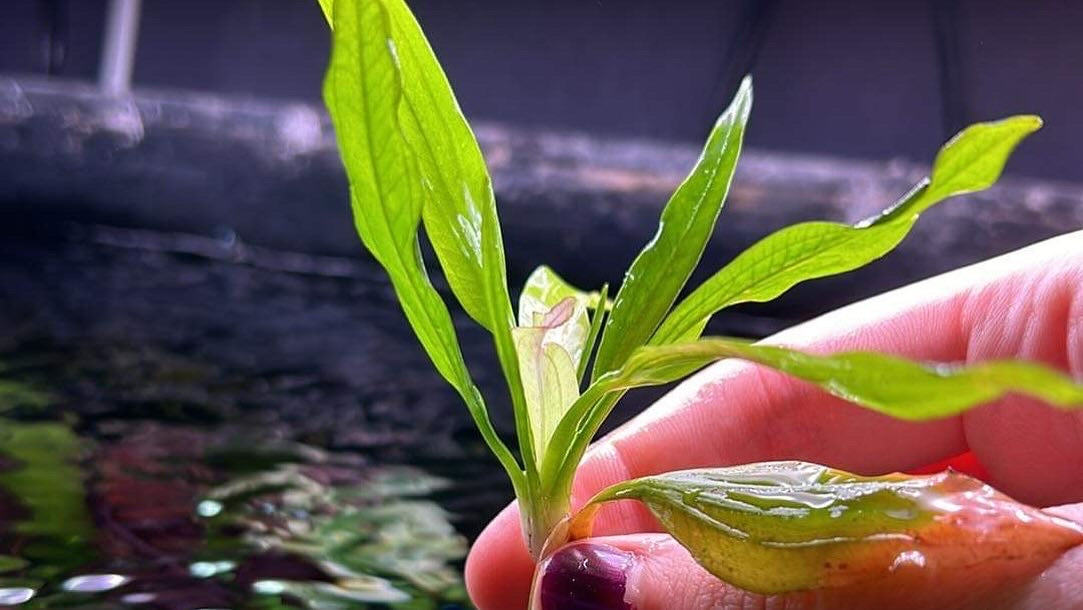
(94, 583)
(115, 512)
(11, 596)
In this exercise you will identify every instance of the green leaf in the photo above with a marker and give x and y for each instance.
(601, 306)
(549, 375)
(363, 91)
(888, 384)
(460, 210)
(778, 527)
(970, 162)
(47, 487)
(573, 435)
(658, 274)
(328, 8)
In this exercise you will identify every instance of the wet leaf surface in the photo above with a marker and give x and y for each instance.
(781, 527)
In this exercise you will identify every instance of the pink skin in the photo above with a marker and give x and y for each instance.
(1027, 304)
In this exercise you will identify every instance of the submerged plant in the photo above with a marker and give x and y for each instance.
(569, 355)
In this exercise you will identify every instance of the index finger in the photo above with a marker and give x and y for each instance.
(1025, 304)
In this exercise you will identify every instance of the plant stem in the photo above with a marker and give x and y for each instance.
(540, 513)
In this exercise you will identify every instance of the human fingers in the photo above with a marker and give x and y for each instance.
(654, 572)
(1024, 304)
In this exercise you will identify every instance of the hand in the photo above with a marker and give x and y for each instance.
(1027, 305)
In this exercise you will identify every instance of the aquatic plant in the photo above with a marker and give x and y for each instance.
(569, 355)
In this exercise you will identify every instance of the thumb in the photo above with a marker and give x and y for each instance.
(631, 572)
(654, 572)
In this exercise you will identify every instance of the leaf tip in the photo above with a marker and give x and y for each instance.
(746, 84)
(1023, 124)
(1034, 120)
(743, 98)
(740, 106)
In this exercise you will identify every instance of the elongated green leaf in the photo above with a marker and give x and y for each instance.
(573, 435)
(658, 274)
(790, 526)
(595, 329)
(460, 210)
(328, 8)
(363, 91)
(970, 162)
(888, 384)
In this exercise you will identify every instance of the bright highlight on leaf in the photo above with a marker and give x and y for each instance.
(779, 527)
(893, 386)
(412, 161)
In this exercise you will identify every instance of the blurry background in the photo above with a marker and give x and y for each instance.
(208, 395)
(877, 80)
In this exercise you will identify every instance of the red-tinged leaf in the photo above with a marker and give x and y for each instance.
(782, 527)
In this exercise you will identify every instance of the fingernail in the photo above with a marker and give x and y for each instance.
(585, 576)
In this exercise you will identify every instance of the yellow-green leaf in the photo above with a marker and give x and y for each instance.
(971, 161)
(362, 90)
(460, 211)
(779, 527)
(328, 8)
(458, 208)
(364, 93)
(891, 385)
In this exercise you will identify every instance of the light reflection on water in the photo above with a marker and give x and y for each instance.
(11, 596)
(94, 583)
(111, 511)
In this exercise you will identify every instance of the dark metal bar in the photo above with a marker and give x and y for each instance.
(947, 24)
